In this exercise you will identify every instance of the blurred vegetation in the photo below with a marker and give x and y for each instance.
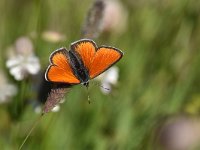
(159, 75)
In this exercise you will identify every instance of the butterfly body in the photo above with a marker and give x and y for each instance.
(78, 68)
(83, 62)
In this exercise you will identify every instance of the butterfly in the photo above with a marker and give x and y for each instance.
(83, 62)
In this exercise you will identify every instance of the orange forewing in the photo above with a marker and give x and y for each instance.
(104, 58)
(60, 70)
(86, 50)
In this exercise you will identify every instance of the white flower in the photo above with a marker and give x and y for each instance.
(56, 108)
(7, 90)
(24, 61)
(21, 66)
(23, 46)
(53, 36)
(38, 109)
(108, 79)
(115, 16)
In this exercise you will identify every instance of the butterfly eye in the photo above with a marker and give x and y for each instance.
(86, 84)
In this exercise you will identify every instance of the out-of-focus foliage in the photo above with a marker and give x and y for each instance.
(159, 75)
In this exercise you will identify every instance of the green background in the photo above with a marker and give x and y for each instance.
(159, 75)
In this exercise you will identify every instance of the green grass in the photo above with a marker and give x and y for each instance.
(159, 75)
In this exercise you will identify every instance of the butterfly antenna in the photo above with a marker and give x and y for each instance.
(31, 130)
(104, 87)
(98, 84)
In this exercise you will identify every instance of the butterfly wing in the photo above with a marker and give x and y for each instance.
(96, 60)
(86, 50)
(105, 57)
(59, 69)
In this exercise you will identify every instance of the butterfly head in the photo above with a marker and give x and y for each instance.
(86, 84)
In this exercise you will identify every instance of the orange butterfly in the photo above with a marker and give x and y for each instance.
(84, 61)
